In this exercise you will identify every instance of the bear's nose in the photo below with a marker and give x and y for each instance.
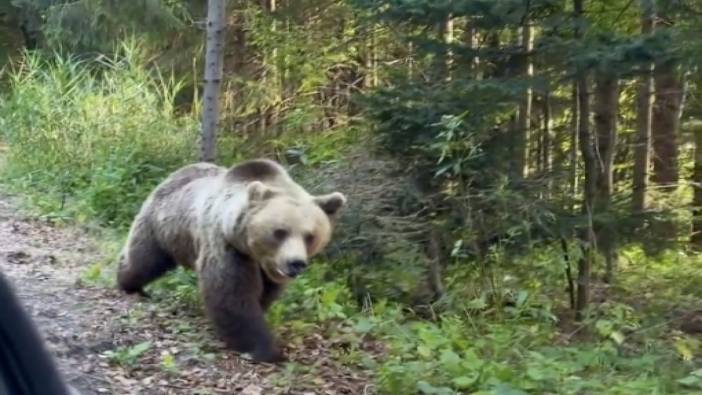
(296, 266)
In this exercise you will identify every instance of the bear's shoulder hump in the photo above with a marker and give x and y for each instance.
(255, 170)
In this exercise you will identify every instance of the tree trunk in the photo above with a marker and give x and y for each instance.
(524, 117)
(644, 115)
(666, 122)
(696, 238)
(590, 187)
(547, 136)
(435, 255)
(575, 143)
(370, 79)
(216, 25)
(470, 38)
(606, 110)
(276, 71)
(446, 60)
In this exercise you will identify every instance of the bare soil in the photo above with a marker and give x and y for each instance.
(83, 323)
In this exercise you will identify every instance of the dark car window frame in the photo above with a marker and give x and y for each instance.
(26, 367)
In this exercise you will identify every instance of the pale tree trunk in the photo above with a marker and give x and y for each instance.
(214, 59)
(276, 70)
(588, 153)
(370, 79)
(524, 116)
(575, 143)
(546, 140)
(446, 63)
(606, 110)
(644, 115)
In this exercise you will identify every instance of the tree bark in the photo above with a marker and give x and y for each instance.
(470, 38)
(446, 60)
(547, 137)
(370, 79)
(545, 152)
(606, 110)
(524, 117)
(666, 123)
(575, 143)
(589, 159)
(644, 116)
(214, 59)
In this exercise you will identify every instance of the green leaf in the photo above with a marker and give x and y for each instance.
(424, 351)
(684, 350)
(138, 349)
(693, 380)
(522, 297)
(364, 325)
(506, 389)
(429, 389)
(450, 361)
(617, 336)
(465, 382)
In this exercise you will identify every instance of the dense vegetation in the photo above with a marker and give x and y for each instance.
(523, 175)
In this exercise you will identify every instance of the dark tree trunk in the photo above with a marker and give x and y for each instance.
(606, 110)
(666, 123)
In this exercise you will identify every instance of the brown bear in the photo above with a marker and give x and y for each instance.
(246, 231)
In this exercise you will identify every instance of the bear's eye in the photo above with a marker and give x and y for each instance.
(309, 238)
(280, 234)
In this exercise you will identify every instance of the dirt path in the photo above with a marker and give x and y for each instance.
(92, 331)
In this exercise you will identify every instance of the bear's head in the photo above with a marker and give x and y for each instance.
(284, 229)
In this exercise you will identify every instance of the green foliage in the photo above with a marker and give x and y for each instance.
(313, 298)
(524, 349)
(128, 356)
(92, 147)
(179, 286)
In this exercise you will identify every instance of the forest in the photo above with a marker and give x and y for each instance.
(524, 184)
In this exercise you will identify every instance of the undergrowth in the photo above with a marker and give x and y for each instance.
(88, 141)
(523, 347)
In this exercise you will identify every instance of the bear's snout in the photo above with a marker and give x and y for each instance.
(295, 267)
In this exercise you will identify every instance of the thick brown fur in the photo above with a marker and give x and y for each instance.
(216, 221)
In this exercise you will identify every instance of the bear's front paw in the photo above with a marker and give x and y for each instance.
(269, 355)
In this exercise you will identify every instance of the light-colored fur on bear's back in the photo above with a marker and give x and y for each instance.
(186, 210)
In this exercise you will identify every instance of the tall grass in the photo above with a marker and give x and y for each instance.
(89, 139)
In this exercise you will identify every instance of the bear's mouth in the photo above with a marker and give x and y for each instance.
(276, 275)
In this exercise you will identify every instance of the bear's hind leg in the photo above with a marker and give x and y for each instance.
(142, 262)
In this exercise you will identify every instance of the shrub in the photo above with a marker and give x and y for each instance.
(90, 139)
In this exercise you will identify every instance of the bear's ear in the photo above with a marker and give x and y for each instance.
(331, 203)
(258, 191)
